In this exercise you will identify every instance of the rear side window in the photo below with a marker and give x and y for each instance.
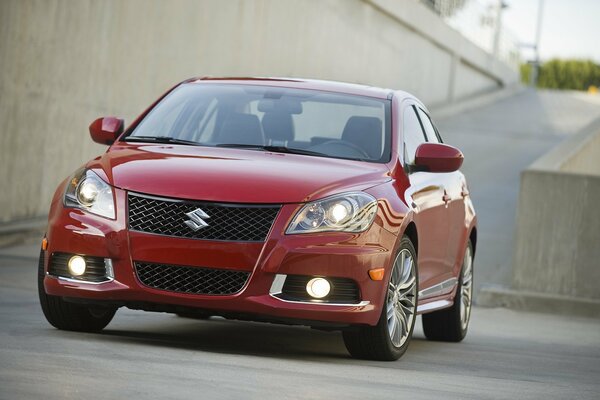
(430, 131)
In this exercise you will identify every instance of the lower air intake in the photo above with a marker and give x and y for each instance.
(191, 280)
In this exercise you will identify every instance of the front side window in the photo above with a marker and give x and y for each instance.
(307, 122)
(428, 127)
(413, 134)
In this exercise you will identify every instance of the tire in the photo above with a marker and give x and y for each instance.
(451, 324)
(376, 342)
(69, 316)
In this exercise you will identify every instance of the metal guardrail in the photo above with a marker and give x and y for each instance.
(480, 23)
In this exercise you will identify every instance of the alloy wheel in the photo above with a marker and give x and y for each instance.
(466, 289)
(401, 298)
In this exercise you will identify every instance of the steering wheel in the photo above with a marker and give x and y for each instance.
(343, 143)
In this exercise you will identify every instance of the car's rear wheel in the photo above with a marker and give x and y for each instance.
(70, 316)
(389, 339)
(451, 324)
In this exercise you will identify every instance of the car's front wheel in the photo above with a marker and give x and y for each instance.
(451, 324)
(389, 339)
(69, 316)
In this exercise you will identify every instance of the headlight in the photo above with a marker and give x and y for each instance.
(349, 212)
(90, 193)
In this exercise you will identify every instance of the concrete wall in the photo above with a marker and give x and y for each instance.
(64, 63)
(471, 82)
(558, 223)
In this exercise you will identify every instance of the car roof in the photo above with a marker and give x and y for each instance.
(299, 83)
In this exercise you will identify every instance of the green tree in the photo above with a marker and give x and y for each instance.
(565, 74)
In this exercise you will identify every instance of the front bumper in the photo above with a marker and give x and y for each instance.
(340, 255)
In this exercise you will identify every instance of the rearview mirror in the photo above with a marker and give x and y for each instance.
(106, 130)
(438, 157)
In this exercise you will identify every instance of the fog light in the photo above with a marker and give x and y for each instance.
(318, 288)
(76, 265)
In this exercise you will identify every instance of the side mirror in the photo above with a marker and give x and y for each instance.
(106, 130)
(437, 157)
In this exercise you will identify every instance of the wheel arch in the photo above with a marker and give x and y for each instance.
(411, 232)
(473, 239)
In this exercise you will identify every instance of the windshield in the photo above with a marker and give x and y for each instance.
(308, 122)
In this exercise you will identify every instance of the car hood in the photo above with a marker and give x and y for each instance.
(232, 175)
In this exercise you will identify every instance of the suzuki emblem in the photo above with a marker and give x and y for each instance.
(196, 219)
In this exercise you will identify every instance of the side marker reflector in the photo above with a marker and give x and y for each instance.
(377, 274)
(44, 244)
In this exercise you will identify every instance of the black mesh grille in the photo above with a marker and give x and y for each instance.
(229, 222)
(343, 290)
(192, 280)
(95, 270)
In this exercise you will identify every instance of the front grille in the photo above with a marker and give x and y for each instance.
(191, 280)
(95, 268)
(343, 290)
(228, 222)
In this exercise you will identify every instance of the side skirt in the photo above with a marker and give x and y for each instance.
(437, 296)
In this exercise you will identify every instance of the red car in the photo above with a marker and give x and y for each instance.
(293, 201)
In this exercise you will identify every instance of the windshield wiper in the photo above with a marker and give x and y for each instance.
(160, 139)
(274, 149)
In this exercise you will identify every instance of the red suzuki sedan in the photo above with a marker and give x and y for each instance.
(325, 204)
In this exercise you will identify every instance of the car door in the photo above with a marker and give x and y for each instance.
(454, 192)
(426, 197)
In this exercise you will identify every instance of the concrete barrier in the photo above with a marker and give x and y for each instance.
(64, 63)
(586, 160)
(557, 258)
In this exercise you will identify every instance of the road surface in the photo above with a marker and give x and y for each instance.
(506, 355)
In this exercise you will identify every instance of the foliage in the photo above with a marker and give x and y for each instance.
(565, 74)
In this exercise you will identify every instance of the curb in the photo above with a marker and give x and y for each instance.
(500, 296)
(22, 231)
(23, 225)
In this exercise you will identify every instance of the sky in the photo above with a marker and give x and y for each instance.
(570, 28)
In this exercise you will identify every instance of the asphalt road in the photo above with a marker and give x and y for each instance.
(506, 355)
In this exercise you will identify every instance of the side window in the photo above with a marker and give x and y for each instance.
(413, 134)
(432, 135)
